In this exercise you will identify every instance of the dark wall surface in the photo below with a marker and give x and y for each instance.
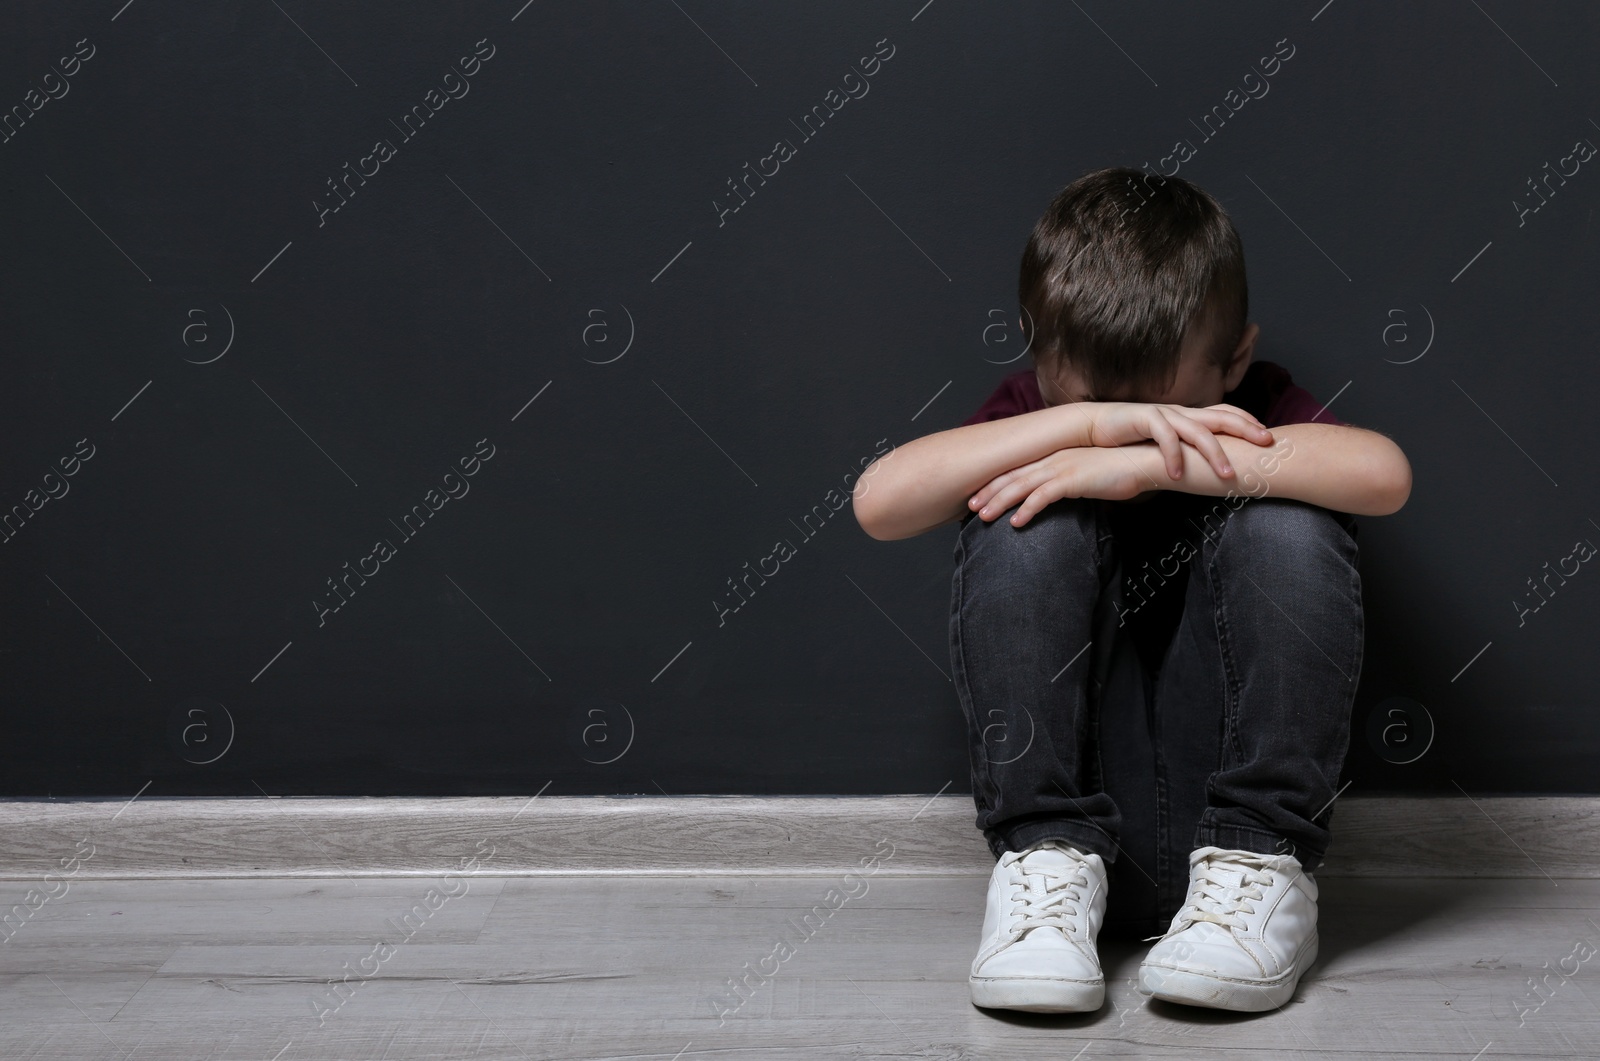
(252, 320)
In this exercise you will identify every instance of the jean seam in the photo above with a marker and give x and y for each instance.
(1229, 745)
(1163, 789)
(1091, 701)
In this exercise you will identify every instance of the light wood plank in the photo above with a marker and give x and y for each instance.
(1406, 836)
(1424, 969)
(274, 910)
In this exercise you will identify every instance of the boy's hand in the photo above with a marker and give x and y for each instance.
(1169, 426)
(1110, 472)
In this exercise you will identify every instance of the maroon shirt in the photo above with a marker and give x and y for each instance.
(1266, 392)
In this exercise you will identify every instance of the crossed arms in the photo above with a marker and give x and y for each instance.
(1123, 451)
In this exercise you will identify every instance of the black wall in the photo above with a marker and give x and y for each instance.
(657, 392)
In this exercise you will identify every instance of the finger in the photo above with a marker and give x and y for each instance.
(1004, 498)
(1023, 487)
(1246, 414)
(1242, 426)
(1248, 427)
(984, 495)
(1199, 436)
(1225, 407)
(994, 496)
(1008, 496)
(1166, 437)
(1051, 491)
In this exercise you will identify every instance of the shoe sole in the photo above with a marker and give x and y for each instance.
(1037, 994)
(1190, 988)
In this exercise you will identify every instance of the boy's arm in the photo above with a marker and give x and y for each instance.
(926, 482)
(1336, 466)
(1346, 469)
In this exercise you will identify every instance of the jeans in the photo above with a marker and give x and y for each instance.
(1143, 678)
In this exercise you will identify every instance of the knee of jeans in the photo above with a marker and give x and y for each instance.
(1061, 530)
(1279, 528)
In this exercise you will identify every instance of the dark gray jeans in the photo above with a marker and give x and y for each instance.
(1145, 678)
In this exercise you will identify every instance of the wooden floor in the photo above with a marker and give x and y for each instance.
(630, 966)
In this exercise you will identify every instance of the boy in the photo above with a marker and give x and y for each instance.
(1145, 432)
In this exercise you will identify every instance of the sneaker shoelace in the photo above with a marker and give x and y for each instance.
(1047, 897)
(1221, 889)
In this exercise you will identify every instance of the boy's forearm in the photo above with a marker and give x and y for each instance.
(926, 482)
(1346, 469)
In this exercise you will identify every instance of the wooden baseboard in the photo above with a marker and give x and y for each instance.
(1403, 836)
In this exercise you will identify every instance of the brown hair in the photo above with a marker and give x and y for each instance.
(1120, 265)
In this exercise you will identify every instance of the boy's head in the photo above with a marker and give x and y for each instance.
(1133, 289)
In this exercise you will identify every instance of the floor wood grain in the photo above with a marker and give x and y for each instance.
(619, 966)
(1392, 836)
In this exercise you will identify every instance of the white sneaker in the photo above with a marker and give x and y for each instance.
(1244, 936)
(1045, 907)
